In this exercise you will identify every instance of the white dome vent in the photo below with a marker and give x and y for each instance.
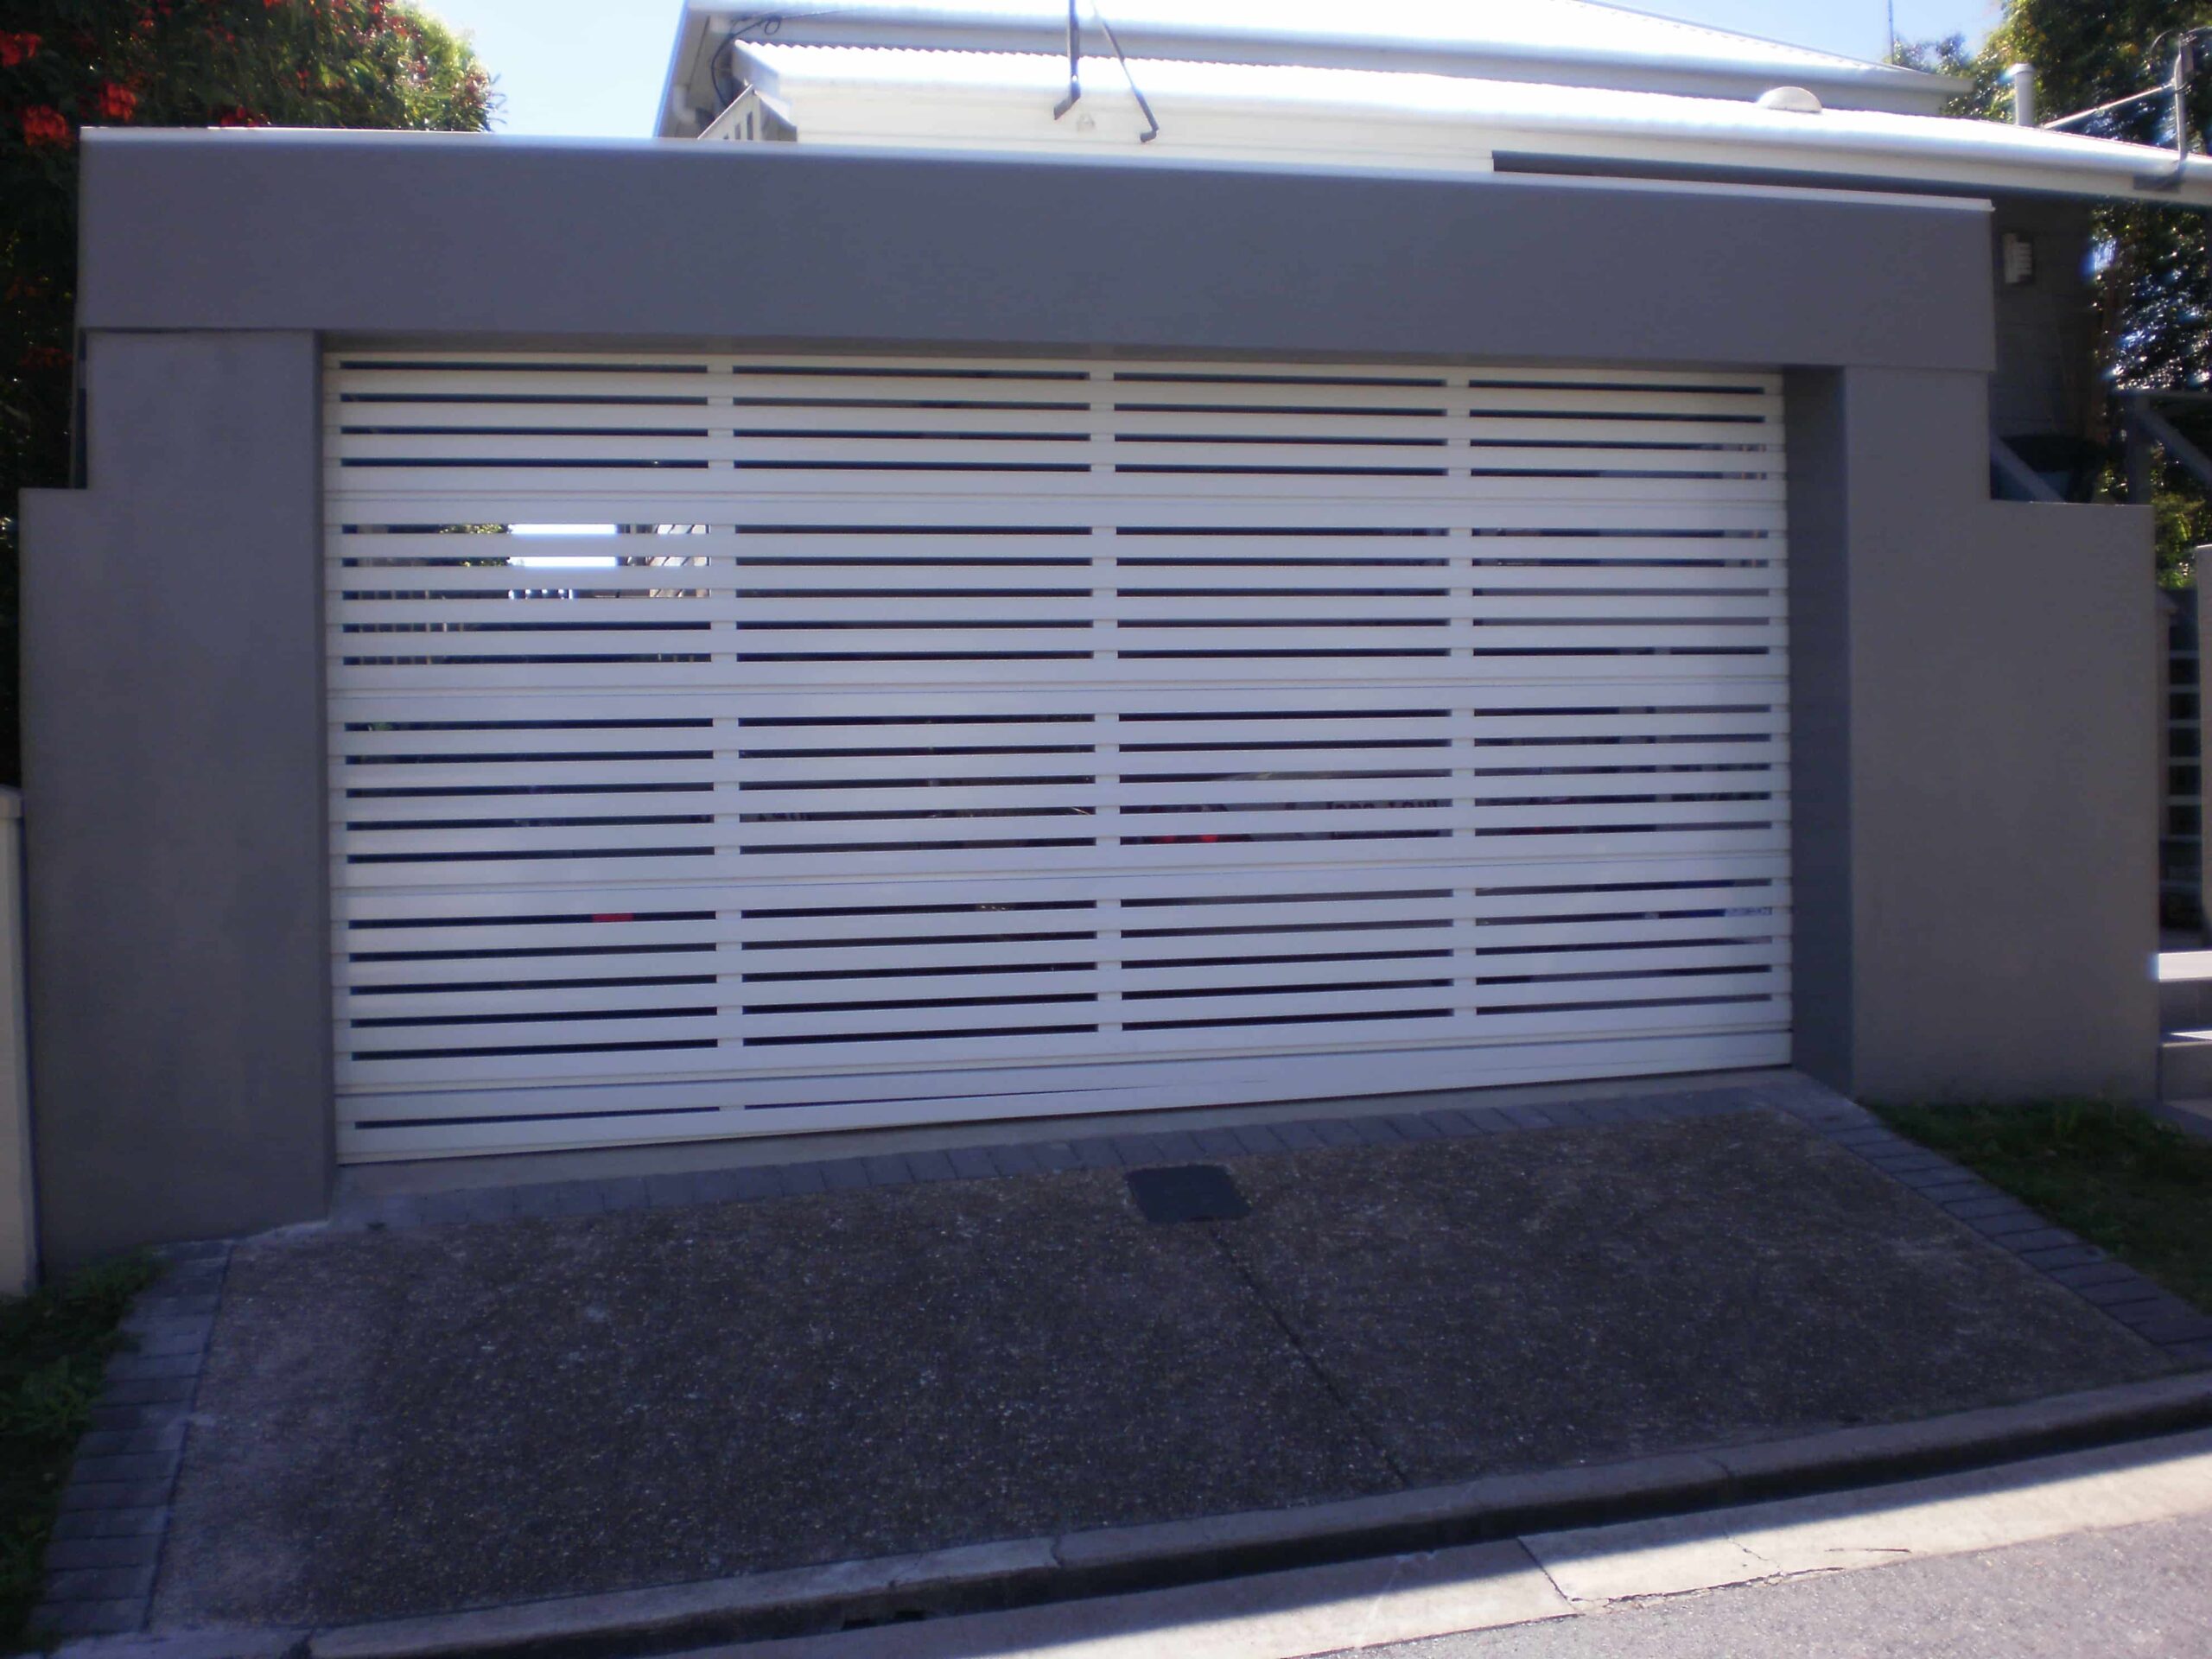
(1795, 99)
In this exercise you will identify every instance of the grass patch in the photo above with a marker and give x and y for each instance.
(53, 1346)
(2115, 1174)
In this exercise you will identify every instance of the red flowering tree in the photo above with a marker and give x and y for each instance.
(66, 65)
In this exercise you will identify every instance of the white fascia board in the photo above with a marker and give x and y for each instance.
(700, 30)
(1360, 120)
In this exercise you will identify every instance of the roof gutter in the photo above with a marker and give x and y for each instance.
(1866, 173)
(1752, 147)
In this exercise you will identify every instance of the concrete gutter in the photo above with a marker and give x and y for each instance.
(845, 1595)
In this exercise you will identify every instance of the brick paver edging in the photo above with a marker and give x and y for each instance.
(2152, 1312)
(114, 1512)
(107, 1545)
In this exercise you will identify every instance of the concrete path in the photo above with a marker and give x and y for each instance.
(1955, 1514)
(471, 1415)
(2140, 1590)
(2018, 1561)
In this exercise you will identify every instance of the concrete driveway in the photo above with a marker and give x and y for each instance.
(401, 1421)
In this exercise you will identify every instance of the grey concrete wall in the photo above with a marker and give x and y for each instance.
(1977, 771)
(1972, 892)
(1817, 433)
(442, 234)
(173, 757)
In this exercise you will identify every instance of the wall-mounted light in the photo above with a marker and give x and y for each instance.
(2019, 259)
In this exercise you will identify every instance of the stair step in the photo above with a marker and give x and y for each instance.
(2185, 1066)
(2184, 1004)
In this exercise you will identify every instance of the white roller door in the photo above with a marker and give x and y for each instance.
(915, 739)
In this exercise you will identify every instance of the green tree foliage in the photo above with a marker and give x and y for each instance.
(2153, 268)
(66, 65)
(1950, 57)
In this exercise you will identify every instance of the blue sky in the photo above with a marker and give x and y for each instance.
(593, 68)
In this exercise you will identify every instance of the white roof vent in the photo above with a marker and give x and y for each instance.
(1795, 99)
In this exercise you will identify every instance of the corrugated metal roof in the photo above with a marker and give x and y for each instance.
(1577, 41)
(977, 99)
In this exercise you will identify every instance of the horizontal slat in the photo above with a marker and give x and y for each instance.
(680, 382)
(924, 1024)
(983, 446)
(1417, 677)
(848, 959)
(783, 938)
(1571, 968)
(688, 494)
(1116, 505)
(353, 587)
(1105, 859)
(1763, 1014)
(376, 1126)
(1558, 885)
(350, 423)
(1414, 966)
(1258, 719)
(1656, 991)
(850, 972)
(1223, 637)
(371, 977)
(469, 1007)
(891, 607)
(831, 366)
(529, 766)
(750, 807)
(1398, 813)
(1503, 583)
(724, 559)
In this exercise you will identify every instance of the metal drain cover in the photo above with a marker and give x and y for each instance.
(1188, 1192)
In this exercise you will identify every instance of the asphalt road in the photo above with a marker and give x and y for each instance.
(2136, 1591)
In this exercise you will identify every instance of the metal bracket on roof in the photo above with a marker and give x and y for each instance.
(1151, 121)
(1075, 72)
(1075, 64)
(2176, 91)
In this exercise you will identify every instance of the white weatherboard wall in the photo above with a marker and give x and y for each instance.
(922, 739)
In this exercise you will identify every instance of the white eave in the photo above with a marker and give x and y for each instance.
(1549, 42)
(1301, 117)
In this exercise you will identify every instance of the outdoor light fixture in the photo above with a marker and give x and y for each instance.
(2019, 259)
